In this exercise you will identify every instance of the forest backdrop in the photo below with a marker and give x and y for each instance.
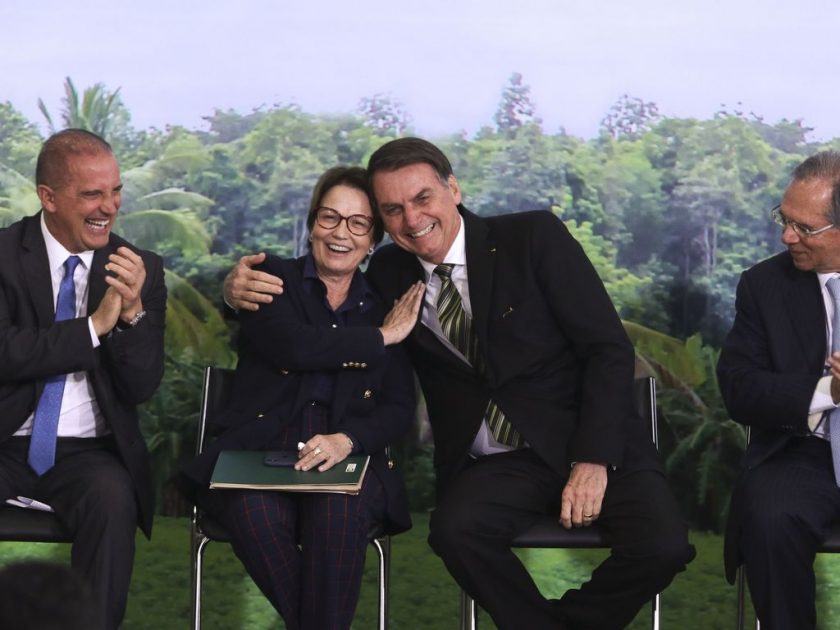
(670, 211)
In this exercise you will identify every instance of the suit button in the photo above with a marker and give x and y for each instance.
(367, 394)
(391, 463)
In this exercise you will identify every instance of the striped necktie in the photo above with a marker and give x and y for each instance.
(458, 329)
(833, 286)
(45, 425)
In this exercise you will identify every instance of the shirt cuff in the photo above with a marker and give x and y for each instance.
(93, 336)
(821, 401)
(357, 448)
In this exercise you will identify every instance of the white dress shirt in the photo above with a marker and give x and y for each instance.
(822, 400)
(80, 415)
(484, 442)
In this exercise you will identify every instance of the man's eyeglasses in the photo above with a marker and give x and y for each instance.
(799, 228)
(329, 219)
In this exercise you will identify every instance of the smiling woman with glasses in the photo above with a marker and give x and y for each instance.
(319, 375)
(801, 229)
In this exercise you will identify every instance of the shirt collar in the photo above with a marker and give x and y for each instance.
(457, 254)
(57, 253)
(359, 294)
(825, 277)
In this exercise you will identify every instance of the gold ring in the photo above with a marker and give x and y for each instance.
(587, 516)
(317, 450)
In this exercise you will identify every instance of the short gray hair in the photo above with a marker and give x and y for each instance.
(824, 166)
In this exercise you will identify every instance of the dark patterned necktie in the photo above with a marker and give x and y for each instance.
(458, 329)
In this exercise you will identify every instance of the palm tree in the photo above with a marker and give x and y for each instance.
(94, 111)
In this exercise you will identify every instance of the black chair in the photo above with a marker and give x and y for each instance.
(547, 533)
(203, 528)
(830, 545)
(25, 525)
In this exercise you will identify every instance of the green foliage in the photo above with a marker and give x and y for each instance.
(420, 480)
(168, 232)
(17, 196)
(193, 323)
(623, 287)
(19, 141)
(701, 445)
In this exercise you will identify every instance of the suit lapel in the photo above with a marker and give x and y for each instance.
(806, 310)
(36, 271)
(480, 266)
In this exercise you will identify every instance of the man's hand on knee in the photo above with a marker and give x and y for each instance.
(583, 494)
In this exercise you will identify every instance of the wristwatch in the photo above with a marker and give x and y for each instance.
(132, 322)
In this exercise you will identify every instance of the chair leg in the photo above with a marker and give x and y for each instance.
(383, 552)
(655, 607)
(469, 612)
(739, 583)
(199, 542)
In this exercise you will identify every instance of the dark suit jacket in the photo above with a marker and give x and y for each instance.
(124, 370)
(281, 349)
(770, 363)
(559, 363)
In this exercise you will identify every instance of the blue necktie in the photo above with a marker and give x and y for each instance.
(833, 286)
(45, 425)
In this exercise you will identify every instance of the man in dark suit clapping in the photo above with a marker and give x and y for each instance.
(81, 344)
(528, 374)
(779, 374)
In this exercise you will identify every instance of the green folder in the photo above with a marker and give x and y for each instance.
(245, 469)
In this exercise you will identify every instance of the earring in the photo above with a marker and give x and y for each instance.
(370, 251)
(310, 238)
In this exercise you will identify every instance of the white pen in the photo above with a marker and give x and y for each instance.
(35, 504)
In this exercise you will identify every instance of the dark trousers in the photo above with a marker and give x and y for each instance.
(305, 552)
(498, 496)
(93, 496)
(785, 506)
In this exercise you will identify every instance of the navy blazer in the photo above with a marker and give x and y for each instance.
(281, 347)
(558, 361)
(771, 361)
(124, 370)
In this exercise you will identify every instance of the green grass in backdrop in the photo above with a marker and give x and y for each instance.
(423, 596)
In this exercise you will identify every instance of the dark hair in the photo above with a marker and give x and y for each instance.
(403, 152)
(40, 595)
(52, 167)
(351, 176)
(825, 166)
